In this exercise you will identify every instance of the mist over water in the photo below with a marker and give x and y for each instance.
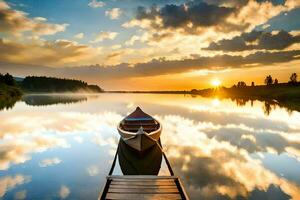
(62, 146)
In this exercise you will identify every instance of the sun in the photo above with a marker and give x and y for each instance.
(215, 82)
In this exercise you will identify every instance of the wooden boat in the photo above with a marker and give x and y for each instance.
(139, 130)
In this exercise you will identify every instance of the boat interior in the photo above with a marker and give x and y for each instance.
(134, 125)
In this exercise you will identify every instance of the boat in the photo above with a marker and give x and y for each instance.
(134, 163)
(140, 130)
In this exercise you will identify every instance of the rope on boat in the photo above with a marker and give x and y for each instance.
(165, 157)
(114, 161)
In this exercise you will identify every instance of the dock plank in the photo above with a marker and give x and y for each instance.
(144, 186)
(144, 190)
(143, 196)
(142, 183)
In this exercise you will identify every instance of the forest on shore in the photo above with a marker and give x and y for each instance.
(11, 88)
(42, 84)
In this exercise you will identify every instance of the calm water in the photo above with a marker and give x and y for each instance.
(62, 147)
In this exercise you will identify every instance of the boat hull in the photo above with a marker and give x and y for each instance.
(141, 140)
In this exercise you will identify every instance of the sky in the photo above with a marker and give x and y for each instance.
(151, 44)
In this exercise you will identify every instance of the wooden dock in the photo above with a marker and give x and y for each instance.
(141, 187)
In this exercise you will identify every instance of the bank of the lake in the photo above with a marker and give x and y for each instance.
(280, 92)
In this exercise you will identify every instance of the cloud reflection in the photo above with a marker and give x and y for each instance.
(20, 195)
(64, 192)
(10, 182)
(49, 162)
(216, 147)
(222, 167)
(18, 151)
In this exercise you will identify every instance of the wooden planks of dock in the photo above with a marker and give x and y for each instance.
(143, 187)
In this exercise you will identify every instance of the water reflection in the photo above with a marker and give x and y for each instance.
(135, 163)
(6, 104)
(270, 105)
(50, 99)
(219, 149)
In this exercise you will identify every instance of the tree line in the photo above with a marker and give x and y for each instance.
(50, 84)
(269, 80)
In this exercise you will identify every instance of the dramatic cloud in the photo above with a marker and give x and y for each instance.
(59, 52)
(96, 4)
(163, 66)
(105, 35)
(114, 13)
(16, 22)
(256, 40)
(194, 17)
(185, 15)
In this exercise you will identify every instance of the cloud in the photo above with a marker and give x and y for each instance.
(256, 40)
(10, 182)
(185, 15)
(114, 13)
(59, 52)
(64, 192)
(162, 66)
(79, 36)
(193, 17)
(105, 35)
(190, 25)
(78, 139)
(49, 162)
(16, 22)
(96, 4)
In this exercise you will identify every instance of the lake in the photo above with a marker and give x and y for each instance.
(62, 146)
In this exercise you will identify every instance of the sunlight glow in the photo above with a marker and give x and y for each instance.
(216, 82)
(215, 102)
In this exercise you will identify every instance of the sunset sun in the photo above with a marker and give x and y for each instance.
(215, 82)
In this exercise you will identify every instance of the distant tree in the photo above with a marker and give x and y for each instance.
(194, 91)
(276, 81)
(269, 80)
(293, 78)
(7, 79)
(252, 84)
(241, 84)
